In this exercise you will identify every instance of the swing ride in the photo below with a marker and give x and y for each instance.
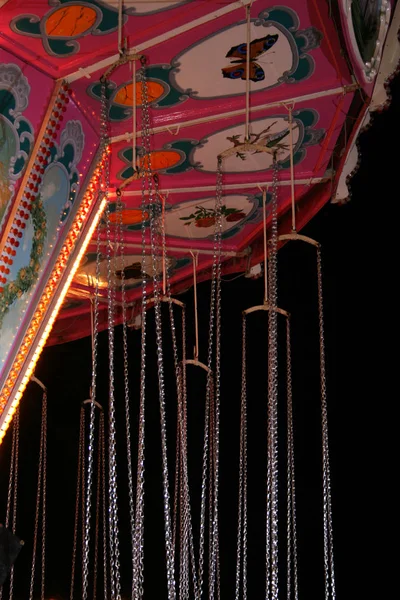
(146, 147)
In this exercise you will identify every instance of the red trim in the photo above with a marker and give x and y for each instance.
(329, 133)
(327, 40)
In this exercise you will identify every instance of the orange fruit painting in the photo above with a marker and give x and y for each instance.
(70, 21)
(124, 95)
(161, 159)
(129, 217)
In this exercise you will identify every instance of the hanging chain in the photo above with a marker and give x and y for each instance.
(330, 589)
(155, 214)
(16, 469)
(102, 450)
(40, 499)
(216, 297)
(93, 389)
(79, 486)
(44, 495)
(181, 475)
(13, 491)
(112, 462)
(187, 501)
(138, 557)
(241, 548)
(272, 587)
(126, 376)
(161, 384)
(97, 524)
(291, 487)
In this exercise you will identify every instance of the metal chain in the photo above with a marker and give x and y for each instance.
(138, 557)
(97, 523)
(161, 384)
(44, 494)
(79, 486)
(188, 517)
(210, 383)
(126, 377)
(291, 482)
(11, 477)
(241, 547)
(155, 212)
(102, 450)
(12, 491)
(272, 587)
(216, 285)
(177, 480)
(112, 460)
(330, 588)
(187, 543)
(40, 499)
(93, 389)
(16, 470)
(83, 493)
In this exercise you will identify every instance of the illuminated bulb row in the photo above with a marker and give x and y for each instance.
(55, 276)
(33, 185)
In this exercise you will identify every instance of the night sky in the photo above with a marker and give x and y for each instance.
(358, 270)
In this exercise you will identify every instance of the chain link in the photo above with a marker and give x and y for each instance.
(12, 491)
(241, 548)
(102, 450)
(79, 487)
(291, 487)
(330, 588)
(93, 390)
(111, 257)
(126, 376)
(16, 470)
(97, 524)
(138, 557)
(161, 384)
(272, 588)
(40, 500)
(216, 297)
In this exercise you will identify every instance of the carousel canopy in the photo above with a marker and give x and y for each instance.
(300, 76)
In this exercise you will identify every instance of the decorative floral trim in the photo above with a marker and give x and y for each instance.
(28, 275)
(206, 217)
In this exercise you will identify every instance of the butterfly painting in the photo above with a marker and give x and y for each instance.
(238, 68)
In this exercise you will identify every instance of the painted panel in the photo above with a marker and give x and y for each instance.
(190, 217)
(192, 74)
(62, 32)
(190, 158)
(21, 112)
(59, 189)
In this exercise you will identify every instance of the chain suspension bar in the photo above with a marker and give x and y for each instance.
(329, 570)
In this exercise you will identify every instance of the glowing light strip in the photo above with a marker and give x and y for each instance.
(26, 378)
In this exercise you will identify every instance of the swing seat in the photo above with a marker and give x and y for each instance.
(10, 547)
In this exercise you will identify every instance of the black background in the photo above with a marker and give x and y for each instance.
(360, 324)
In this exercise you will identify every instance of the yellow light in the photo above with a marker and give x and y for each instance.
(48, 327)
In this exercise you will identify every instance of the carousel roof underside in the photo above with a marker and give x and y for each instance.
(305, 59)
